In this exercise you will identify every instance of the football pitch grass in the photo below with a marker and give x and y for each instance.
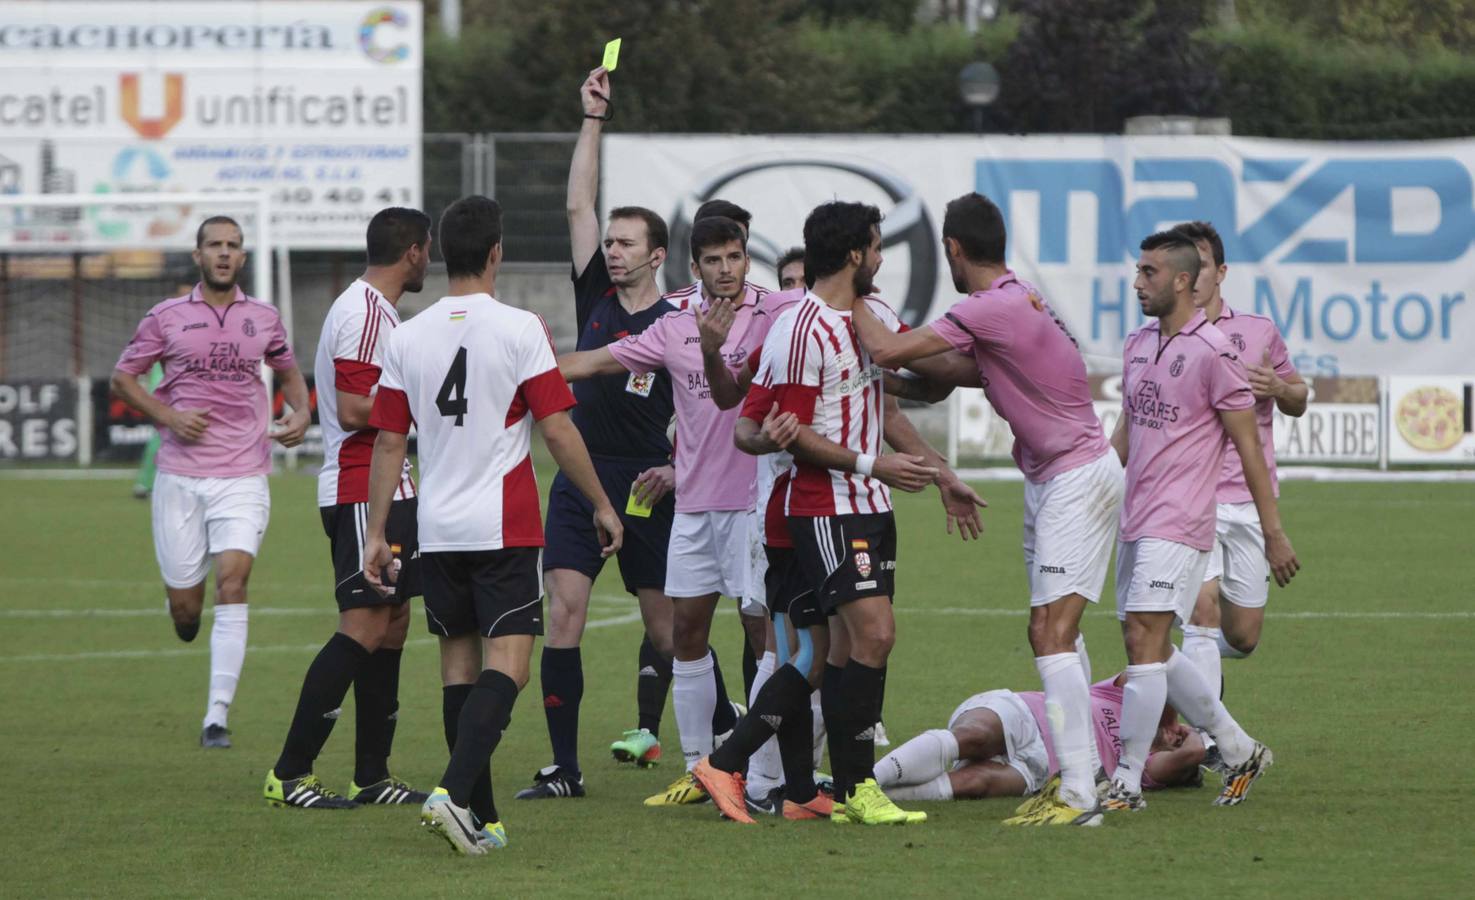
(1361, 687)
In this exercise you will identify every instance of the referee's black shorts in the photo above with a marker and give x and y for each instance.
(571, 542)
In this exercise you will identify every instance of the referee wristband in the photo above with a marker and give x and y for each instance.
(864, 463)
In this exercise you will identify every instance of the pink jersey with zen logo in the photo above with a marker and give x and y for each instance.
(1032, 372)
(212, 360)
(711, 473)
(1172, 392)
(1252, 336)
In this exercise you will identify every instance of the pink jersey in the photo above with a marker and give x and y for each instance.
(1252, 336)
(1032, 372)
(1172, 392)
(1106, 718)
(212, 360)
(711, 473)
(822, 374)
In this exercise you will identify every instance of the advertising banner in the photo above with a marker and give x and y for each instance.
(1342, 424)
(38, 420)
(1361, 253)
(315, 103)
(1429, 419)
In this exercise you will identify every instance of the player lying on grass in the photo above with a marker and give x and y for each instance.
(999, 744)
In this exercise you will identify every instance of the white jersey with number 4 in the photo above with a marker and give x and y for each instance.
(473, 374)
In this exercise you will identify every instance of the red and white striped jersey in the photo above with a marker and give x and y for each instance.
(357, 326)
(472, 373)
(823, 375)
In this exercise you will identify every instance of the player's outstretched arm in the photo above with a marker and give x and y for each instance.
(900, 470)
(292, 428)
(894, 349)
(188, 424)
(583, 364)
(583, 173)
(568, 450)
(960, 501)
(1240, 423)
(386, 467)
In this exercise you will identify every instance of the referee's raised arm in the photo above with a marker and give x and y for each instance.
(583, 173)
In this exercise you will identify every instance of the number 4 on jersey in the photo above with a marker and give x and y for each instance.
(451, 401)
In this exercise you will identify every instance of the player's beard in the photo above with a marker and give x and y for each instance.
(207, 276)
(1159, 305)
(864, 281)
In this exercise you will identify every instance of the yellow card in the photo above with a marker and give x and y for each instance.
(635, 508)
(612, 59)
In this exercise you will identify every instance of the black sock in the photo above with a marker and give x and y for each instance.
(376, 696)
(652, 684)
(484, 715)
(829, 707)
(860, 702)
(323, 689)
(796, 751)
(563, 688)
(724, 717)
(776, 702)
(453, 697)
(750, 665)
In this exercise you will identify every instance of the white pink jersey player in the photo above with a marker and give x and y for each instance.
(1172, 391)
(212, 360)
(357, 327)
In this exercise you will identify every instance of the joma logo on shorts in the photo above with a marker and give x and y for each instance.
(1165, 585)
(1053, 570)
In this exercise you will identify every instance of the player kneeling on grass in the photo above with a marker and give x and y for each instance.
(473, 374)
(999, 744)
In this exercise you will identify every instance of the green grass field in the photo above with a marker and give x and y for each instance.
(1360, 686)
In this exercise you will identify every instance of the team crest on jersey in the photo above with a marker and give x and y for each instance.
(639, 384)
(1238, 340)
(248, 328)
(1176, 368)
(863, 563)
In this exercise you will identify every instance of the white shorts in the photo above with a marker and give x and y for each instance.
(1238, 558)
(755, 599)
(1153, 575)
(1024, 746)
(196, 518)
(1070, 523)
(709, 553)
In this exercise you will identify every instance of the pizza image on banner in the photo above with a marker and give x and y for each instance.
(1430, 419)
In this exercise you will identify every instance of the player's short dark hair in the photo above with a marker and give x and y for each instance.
(216, 220)
(831, 231)
(715, 231)
(727, 210)
(656, 233)
(394, 230)
(791, 255)
(976, 223)
(1201, 231)
(1180, 249)
(469, 229)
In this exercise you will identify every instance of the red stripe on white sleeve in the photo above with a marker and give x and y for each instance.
(547, 394)
(391, 411)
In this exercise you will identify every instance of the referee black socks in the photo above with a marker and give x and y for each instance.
(563, 688)
(651, 686)
(484, 715)
(323, 689)
(724, 717)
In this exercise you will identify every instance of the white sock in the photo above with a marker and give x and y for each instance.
(1201, 646)
(1226, 649)
(818, 718)
(227, 654)
(1196, 701)
(1142, 706)
(939, 788)
(1085, 659)
(919, 761)
(694, 696)
(1068, 713)
(766, 767)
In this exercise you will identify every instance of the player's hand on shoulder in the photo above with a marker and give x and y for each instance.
(715, 323)
(378, 564)
(962, 504)
(652, 485)
(189, 424)
(1281, 556)
(594, 93)
(904, 471)
(291, 429)
(610, 529)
